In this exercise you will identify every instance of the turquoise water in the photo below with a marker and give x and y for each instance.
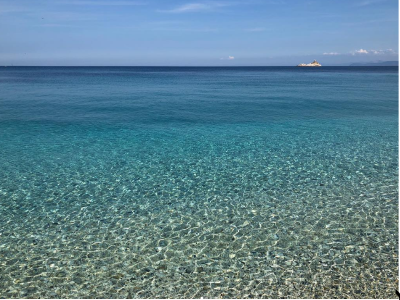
(198, 182)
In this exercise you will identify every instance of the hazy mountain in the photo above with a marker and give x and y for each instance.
(392, 63)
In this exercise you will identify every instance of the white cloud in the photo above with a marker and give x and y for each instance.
(228, 58)
(375, 52)
(361, 51)
(197, 7)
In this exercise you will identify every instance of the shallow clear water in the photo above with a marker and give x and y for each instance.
(198, 182)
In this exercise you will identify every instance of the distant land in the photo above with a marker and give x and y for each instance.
(392, 63)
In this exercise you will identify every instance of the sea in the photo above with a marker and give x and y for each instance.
(190, 182)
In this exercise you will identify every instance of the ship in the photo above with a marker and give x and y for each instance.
(313, 64)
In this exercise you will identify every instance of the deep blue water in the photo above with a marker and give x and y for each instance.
(198, 182)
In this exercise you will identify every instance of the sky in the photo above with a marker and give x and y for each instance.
(196, 32)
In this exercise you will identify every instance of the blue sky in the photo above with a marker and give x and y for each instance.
(197, 33)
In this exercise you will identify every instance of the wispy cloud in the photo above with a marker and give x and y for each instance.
(55, 17)
(387, 51)
(57, 25)
(373, 21)
(51, 15)
(256, 29)
(101, 3)
(198, 7)
(368, 2)
(363, 52)
(374, 52)
(6, 8)
(227, 58)
(184, 29)
(171, 25)
(163, 23)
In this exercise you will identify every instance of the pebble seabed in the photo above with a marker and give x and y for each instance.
(238, 213)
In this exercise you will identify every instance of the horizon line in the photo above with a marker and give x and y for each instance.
(172, 66)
